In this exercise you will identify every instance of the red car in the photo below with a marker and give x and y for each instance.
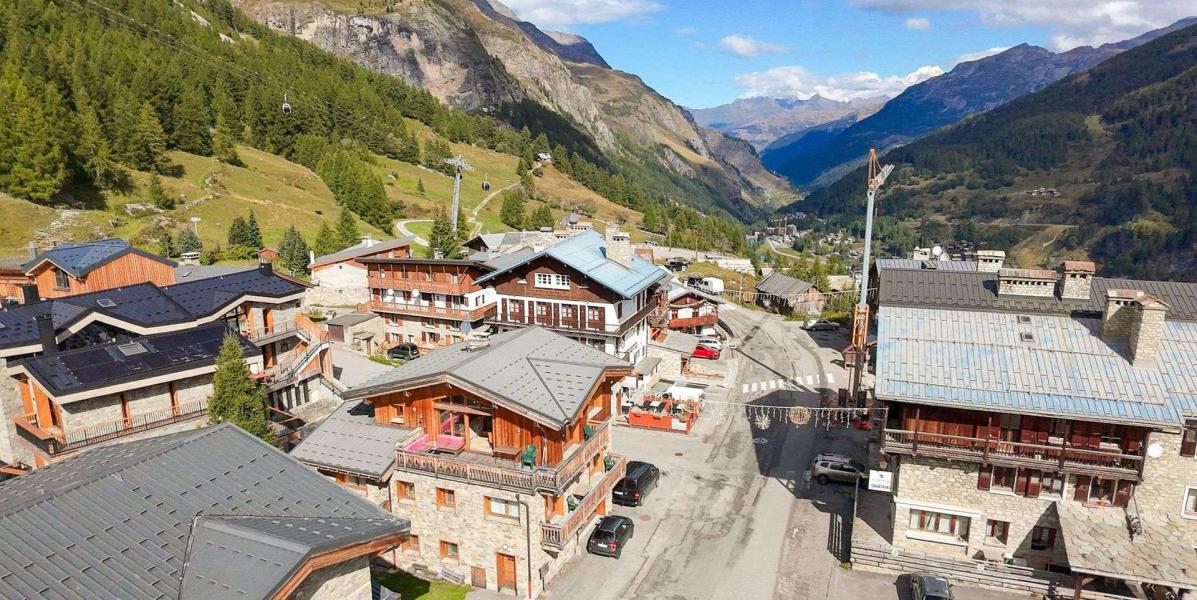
(705, 352)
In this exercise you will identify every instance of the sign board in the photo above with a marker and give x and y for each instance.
(881, 481)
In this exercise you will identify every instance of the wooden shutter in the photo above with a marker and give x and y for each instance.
(1034, 483)
(1188, 443)
(984, 478)
(1081, 493)
(1079, 435)
(1020, 482)
(1123, 493)
(1132, 439)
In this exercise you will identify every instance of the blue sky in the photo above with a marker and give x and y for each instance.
(701, 53)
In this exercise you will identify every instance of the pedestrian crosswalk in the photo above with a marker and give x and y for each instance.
(781, 383)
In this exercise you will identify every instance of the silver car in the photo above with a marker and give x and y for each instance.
(834, 467)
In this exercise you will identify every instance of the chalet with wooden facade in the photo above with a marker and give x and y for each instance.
(498, 451)
(72, 269)
(587, 288)
(136, 361)
(1043, 418)
(426, 301)
(789, 296)
(686, 309)
(341, 279)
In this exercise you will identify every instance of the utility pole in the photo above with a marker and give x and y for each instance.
(860, 320)
(459, 164)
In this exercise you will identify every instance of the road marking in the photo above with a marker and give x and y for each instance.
(753, 388)
(772, 384)
(744, 390)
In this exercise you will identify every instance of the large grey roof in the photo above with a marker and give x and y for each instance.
(977, 359)
(349, 440)
(937, 265)
(194, 272)
(780, 284)
(210, 514)
(352, 318)
(363, 248)
(533, 371)
(81, 258)
(676, 341)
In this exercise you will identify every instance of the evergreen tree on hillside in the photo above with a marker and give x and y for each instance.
(442, 238)
(293, 252)
(512, 210)
(188, 241)
(238, 232)
(158, 195)
(420, 187)
(224, 143)
(541, 217)
(32, 161)
(192, 122)
(253, 234)
(94, 154)
(236, 397)
(166, 244)
(347, 231)
(464, 228)
(149, 142)
(327, 241)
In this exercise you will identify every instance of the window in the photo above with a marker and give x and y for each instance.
(1043, 538)
(996, 531)
(542, 309)
(405, 490)
(1053, 484)
(925, 520)
(411, 545)
(594, 313)
(445, 498)
(1190, 508)
(449, 550)
(62, 281)
(105, 303)
(1004, 478)
(499, 507)
(131, 348)
(553, 281)
(1102, 490)
(567, 311)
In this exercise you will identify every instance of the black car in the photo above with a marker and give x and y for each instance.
(610, 536)
(929, 587)
(637, 482)
(404, 351)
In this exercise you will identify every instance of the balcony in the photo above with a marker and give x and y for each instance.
(425, 309)
(53, 441)
(506, 474)
(558, 532)
(300, 326)
(708, 320)
(1112, 464)
(574, 323)
(448, 288)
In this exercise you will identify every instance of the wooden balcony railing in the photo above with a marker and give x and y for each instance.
(460, 288)
(1063, 458)
(699, 321)
(514, 477)
(556, 535)
(58, 442)
(427, 310)
(578, 322)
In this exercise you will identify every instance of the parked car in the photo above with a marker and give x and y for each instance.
(930, 587)
(820, 325)
(610, 536)
(701, 351)
(694, 281)
(710, 285)
(711, 342)
(404, 351)
(639, 479)
(835, 467)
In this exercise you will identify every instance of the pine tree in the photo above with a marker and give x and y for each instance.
(541, 217)
(464, 229)
(512, 210)
(32, 160)
(253, 235)
(166, 245)
(192, 122)
(293, 252)
(224, 143)
(238, 232)
(420, 187)
(236, 397)
(149, 142)
(441, 238)
(327, 241)
(189, 242)
(158, 195)
(347, 232)
(94, 154)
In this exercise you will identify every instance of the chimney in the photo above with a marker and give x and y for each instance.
(1076, 277)
(367, 241)
(29, 294)
(266, 268)
(619, 247)
(990, 261)
(438, 254)
(45, 334)
(1138, 318)
(33, 250)
(1039, 283)
(311, 257)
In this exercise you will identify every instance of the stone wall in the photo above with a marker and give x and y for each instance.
(1075, 285)
(1165, 479)
(107, 408)
(1146, 332)
(1118, 319)
(349, 580)
(10, 406)
(338, 285)
(1026, 287)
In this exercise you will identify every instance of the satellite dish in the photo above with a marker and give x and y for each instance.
(466, 327)
(415, 293)
(1155, 450)
(936, 251)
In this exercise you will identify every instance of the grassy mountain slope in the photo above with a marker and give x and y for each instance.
(1116, 146)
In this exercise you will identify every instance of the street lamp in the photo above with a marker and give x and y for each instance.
(195, 225)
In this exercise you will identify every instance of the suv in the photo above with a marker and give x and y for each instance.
(834, 467)
(930, 587)
(713, 343)
(820, 325)
(640, 478)
(610, 536)
(404, 351)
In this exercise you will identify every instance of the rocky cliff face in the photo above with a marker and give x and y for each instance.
(475, 55)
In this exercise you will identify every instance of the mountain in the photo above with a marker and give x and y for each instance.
(969, 88)
(1101, 164)
(762, 121)
(478, 56)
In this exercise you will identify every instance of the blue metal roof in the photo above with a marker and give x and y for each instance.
(586, 253)
(979, 360)
(79, 259)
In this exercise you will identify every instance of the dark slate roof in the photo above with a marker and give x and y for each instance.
(780, 284)
(203, 296)
(213, 514)
(80, 259)
(109, 364)
(586, 253)
(349, 440)
(361, 249)
(533, 371)
(978, 290)
(12, 264)
(938, 265)
(193, 272)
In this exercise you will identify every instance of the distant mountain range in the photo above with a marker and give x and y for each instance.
(812, 161)
(761, 121)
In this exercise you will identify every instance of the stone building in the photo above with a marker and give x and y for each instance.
(1043, 418)
(427, 301)
(340, 279)
(497, 451)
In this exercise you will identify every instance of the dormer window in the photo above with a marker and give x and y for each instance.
(552, 281)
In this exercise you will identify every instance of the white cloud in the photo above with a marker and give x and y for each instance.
(971, 56)
(564, 13)
(748, 47)
(800, 82)
(684, 31)
(918, 23)
(1072, 22)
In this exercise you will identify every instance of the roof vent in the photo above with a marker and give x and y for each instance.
(106, 302)
(1026, 337)
(1024, 319)
(132, 348)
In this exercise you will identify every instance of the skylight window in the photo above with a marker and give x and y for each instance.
(1026, 336)
(132, 348)
(106, 302)
(1024, 319)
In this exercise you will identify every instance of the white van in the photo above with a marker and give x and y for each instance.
(711, 285)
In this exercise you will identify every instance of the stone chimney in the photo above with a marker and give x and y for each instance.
(619, 247)
(1138, 318)
(438, 254)
(990, 261)
(1076, 278)
(1039, 283)
(367, 241)
(33, 250)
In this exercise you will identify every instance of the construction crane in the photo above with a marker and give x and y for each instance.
(860, 320)
(459, 164)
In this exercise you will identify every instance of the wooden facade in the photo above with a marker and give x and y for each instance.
(128, 269)
(11, 280)
(521, 282)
